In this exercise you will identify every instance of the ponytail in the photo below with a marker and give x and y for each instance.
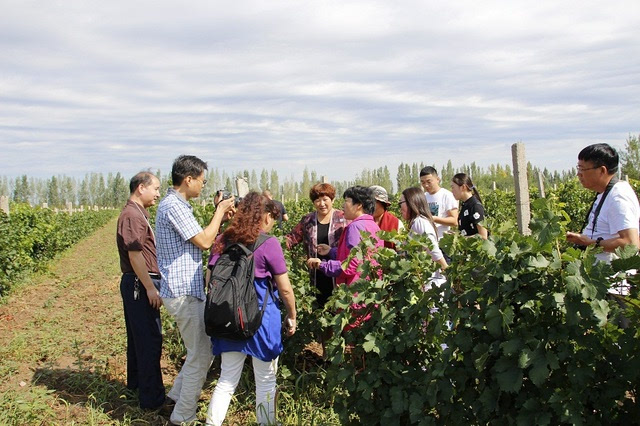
(462, 179)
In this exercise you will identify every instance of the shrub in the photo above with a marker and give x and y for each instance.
(522, 333)
(31, 236)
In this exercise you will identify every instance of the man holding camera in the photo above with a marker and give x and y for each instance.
(180, 241)
(613, 220)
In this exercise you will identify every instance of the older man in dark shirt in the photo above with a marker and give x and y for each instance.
(139, 289)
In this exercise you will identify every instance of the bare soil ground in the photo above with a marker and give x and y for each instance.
(63, 345)
(63, 333)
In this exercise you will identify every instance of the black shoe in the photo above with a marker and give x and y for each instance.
(167, 408)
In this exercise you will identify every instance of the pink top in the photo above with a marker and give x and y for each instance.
(350, 238)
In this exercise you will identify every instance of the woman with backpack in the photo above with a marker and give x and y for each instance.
(255, 215)
(471, 210)
(415, 210)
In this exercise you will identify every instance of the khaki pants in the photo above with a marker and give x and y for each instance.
(188, 312)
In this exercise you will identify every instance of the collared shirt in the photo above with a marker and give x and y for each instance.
(350, 238)
(134, 234)
(308, 231)
(179, 260)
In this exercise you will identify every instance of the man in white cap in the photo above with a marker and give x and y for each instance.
(384, 218)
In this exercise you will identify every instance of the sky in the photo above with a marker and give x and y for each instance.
(335, 86)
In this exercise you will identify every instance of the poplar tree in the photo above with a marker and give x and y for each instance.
(275, 185)
(630, 158)
(53, 193)
(21, 190)
(264, 181)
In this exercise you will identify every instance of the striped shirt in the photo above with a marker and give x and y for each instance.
(179, 260)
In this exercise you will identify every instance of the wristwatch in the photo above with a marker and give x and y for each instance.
(598, 241)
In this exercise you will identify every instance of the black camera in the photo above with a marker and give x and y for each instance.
(225, 195)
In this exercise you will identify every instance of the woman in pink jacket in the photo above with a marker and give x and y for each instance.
(359, 205)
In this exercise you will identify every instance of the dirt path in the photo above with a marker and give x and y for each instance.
(62, 343)
(63, 348)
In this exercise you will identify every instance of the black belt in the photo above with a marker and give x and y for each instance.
(152, 275)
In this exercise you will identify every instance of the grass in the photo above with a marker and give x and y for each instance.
(63, 360)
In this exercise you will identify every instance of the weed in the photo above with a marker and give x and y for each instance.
(172, 345)
(31, 407)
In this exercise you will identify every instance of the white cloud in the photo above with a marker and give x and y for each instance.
(336, 86)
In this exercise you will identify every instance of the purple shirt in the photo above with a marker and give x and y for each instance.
(350, 238)
(268, 259)
(266, 344)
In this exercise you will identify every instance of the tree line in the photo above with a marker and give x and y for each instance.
(112, 190)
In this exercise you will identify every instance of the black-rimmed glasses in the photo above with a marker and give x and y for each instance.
(581, 169)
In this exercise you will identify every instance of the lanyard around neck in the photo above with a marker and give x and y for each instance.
(596, 213)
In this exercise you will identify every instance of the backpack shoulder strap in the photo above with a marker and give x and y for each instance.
(262, 238)
(247, 250)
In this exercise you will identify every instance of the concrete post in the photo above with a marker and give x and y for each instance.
(4, 204)
(493, 185)
(523, 208)
(69, 205)
(242, 186)
(541, 185)
(45, 205)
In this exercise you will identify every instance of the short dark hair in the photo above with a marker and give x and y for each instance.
(186, 165)
(361, 195)
(322, 189)
(428, 171)
(142, 178)
(601, 154)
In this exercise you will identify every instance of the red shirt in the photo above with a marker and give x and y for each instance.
(389, 222)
